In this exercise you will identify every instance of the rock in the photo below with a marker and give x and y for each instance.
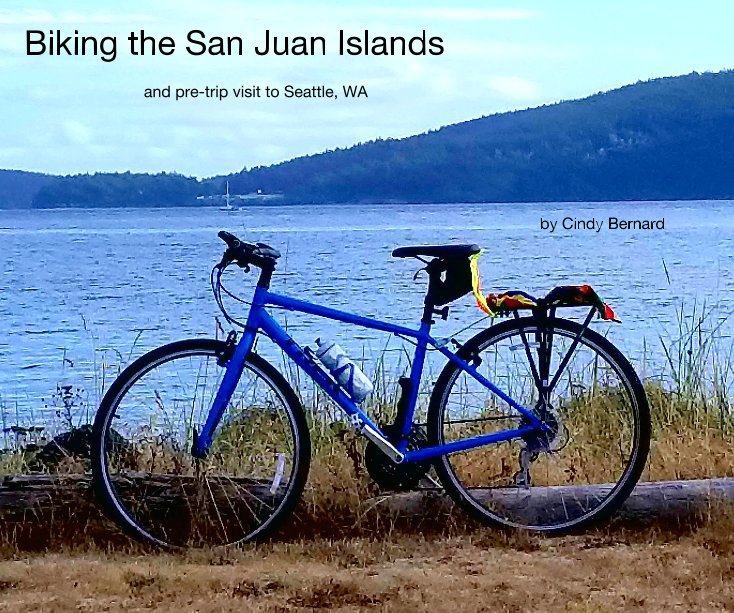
(76, 443)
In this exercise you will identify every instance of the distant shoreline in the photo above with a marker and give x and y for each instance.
(217, 206)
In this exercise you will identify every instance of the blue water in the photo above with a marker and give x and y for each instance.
(84, 291)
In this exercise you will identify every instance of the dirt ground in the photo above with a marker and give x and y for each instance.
(645, 569)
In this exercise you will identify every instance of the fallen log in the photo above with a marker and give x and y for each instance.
(649, 500)
(41, 511)
(25, 496)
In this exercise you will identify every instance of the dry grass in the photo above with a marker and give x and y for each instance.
(343, 551)
(651, 569)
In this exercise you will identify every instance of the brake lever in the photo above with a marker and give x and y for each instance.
(228, 259)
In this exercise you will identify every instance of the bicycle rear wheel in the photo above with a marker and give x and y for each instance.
(567, 479)
(157, 491)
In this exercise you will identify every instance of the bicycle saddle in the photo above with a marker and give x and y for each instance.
(437, 251)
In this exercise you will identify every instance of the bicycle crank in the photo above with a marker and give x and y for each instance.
(396, 477)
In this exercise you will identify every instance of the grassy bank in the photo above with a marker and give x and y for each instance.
(691, 413)
(345, 550)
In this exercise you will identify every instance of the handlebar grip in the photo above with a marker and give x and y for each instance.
(232, 241)
(247, 253)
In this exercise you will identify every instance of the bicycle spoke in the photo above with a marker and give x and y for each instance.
(555, 479)
(222, 498)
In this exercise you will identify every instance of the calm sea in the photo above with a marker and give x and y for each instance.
(84, 291)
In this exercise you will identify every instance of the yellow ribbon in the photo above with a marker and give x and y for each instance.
(498, 300)
(477, 287)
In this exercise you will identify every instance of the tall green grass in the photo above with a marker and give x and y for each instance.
(691, 393)
(695, 390)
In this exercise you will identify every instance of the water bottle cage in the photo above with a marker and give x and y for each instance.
(349, 385)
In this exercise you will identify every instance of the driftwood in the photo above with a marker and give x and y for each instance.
(649, 500)
(38, 494)
(28, 492)
(41, 511)
(22, 497)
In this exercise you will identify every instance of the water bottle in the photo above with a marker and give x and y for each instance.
(346, 372)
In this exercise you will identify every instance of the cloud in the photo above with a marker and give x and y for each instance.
(452, 14)
(11, 153)
(331, 12)
(514, 88)
(76, 132)
(35, 17)
(10, 44)
(159, 153)
(503, 50)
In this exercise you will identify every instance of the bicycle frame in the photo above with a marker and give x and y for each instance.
(260, 320)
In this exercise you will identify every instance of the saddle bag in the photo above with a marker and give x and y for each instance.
(449, 279)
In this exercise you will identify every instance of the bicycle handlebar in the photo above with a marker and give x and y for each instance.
(244, 254)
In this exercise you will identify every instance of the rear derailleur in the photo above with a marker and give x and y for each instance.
(551, 441)
(522, 477)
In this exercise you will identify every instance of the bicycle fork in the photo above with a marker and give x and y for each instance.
(234, 368)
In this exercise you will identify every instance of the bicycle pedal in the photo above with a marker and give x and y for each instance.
(376, 438)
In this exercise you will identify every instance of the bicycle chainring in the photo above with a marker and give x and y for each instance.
(397, 477)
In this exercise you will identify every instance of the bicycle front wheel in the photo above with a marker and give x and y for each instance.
(577, 383)
(143, 469)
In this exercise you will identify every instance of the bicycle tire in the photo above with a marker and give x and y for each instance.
(472, 504)
(103, 448)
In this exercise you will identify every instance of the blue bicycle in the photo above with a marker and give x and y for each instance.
(537, 422)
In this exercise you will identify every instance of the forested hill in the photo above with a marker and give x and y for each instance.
(17, 189)
(670, 138)
(28, 189)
